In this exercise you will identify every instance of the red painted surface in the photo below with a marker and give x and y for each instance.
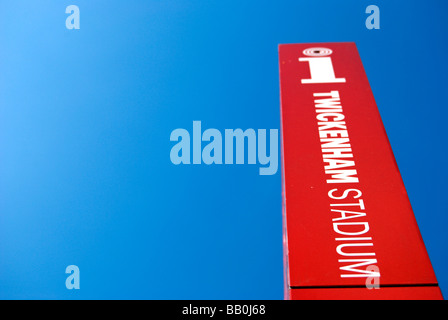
(392, 293)
(318, 238)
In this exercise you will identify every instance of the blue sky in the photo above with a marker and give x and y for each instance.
(85, 121)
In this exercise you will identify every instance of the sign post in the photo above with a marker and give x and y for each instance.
(349, 229)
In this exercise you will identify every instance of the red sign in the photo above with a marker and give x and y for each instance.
(348, 222)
